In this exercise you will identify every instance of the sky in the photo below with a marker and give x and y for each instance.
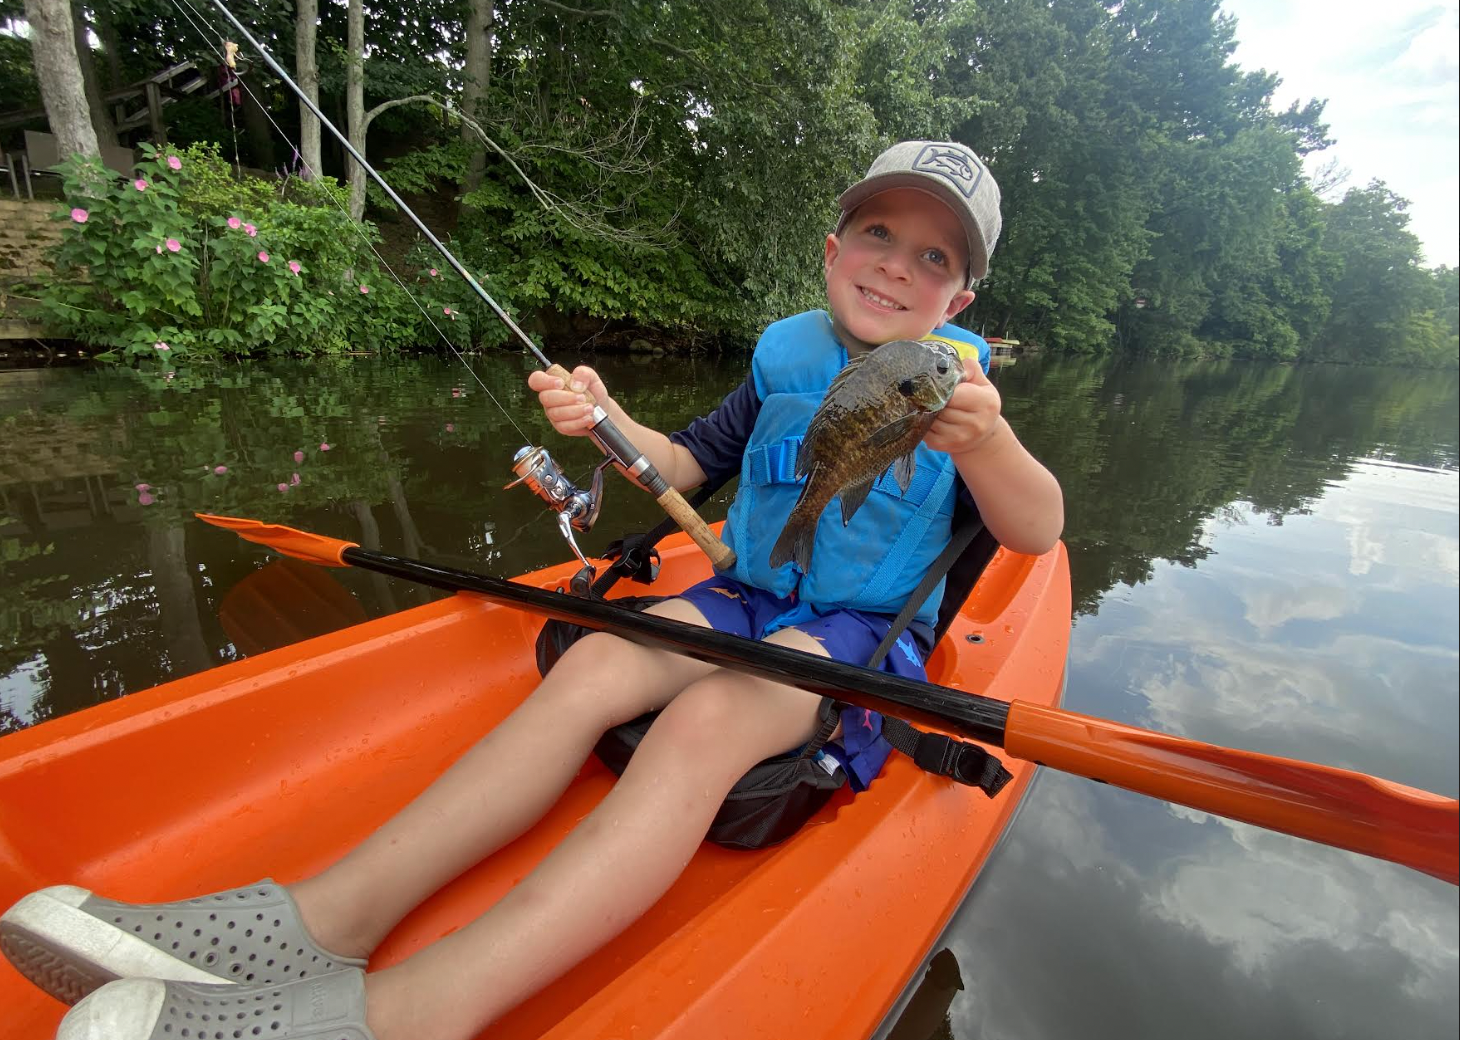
(1391, 73)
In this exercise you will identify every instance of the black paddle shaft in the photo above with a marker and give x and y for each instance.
(927, 704)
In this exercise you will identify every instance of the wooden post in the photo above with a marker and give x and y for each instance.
(154, 112)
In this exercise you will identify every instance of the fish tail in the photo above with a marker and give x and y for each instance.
(795, 543)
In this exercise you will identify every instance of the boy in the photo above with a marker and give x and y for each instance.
(914, 237)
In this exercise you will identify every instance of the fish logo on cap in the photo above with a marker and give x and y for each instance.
(959, 167)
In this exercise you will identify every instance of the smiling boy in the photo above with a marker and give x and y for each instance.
(915, 235)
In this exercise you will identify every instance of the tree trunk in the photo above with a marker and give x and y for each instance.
(478, 74)
(355, 104)
(101, 119)
(53, 45)
(257, 127)
(111, 44)
(306, 72)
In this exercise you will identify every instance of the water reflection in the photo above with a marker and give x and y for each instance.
(1330, 637)
(1263, 556)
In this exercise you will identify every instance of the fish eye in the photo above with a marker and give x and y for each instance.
(906, 388)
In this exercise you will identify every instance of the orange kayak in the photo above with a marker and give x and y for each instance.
(277, 764)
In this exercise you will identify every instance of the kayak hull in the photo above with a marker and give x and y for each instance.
(275, 765)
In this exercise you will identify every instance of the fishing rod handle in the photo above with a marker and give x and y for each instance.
(673, 503)
(639, 469)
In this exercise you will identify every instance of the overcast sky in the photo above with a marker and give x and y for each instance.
(1389, 72)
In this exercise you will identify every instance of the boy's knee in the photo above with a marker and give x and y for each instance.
(586, 680)
(701, 718)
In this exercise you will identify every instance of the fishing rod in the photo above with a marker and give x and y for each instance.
(575, 509)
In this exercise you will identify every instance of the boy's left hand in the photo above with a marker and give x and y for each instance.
(970, 416)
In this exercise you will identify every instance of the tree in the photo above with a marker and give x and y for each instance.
(53, 44)
(477, 77)
(306, 74)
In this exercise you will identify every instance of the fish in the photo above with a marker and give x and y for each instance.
(875, 413)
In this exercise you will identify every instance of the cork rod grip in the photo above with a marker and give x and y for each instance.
(720, 554)
(567, 378)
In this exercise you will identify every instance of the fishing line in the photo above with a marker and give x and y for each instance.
(197, 16)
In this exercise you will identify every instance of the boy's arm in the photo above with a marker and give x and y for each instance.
(1020, 501)
(571, 415)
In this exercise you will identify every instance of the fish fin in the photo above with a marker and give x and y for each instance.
(797, 539)
(853, 495)
(899, 427)
(903, 469)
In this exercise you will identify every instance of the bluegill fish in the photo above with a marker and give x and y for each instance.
(875, 413)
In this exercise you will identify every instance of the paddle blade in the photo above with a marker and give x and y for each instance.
(301, 545)
(1336, 807)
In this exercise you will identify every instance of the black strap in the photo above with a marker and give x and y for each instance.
(934, 753)
(936, 572)
(635, 556)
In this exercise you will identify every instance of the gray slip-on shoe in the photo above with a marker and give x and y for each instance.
(324, 1007)
(68, 941)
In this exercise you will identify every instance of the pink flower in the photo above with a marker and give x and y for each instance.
(140, 184)
(174, 163)
(220, 470)
(159, 249)
(450, 427)
(159, 345)
(250, 230)
(283, 487)
(79, 215)
(235, 223)
(324, 447)
(445, 310)
(294, 479)
(144, 499)
(364, 290)
(434, 272)
(456, 391)
(294, 266)
(144, 487)
(173, 245)
(299, 456)
(263, 257)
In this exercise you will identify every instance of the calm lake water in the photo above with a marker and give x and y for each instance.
(1262, 556)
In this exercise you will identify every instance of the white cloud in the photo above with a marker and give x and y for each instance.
(1391, 74)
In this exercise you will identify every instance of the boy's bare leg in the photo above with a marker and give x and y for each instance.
(496, 790)
(609, 870)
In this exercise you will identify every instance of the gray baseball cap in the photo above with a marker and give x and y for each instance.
(949, 172)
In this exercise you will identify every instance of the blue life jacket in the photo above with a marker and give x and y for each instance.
(874, 563)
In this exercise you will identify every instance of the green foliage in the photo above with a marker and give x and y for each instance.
(673, 168)
(185, 262)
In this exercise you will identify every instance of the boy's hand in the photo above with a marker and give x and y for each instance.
(566, 407)
(971, 415)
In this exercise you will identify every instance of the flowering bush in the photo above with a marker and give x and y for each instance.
(165, 257)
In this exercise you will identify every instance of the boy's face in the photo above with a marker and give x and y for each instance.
(898, 269)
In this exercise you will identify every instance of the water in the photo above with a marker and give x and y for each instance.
(1262, 556)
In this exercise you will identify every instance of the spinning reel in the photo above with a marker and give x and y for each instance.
(574, 507)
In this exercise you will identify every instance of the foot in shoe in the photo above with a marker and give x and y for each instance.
(69, 942)
(325, 1007)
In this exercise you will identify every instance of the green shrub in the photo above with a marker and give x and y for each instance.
(184, 260)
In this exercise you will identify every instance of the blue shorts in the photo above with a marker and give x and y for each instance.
(847, 635)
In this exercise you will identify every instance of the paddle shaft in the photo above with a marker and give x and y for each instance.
(1336, 807)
